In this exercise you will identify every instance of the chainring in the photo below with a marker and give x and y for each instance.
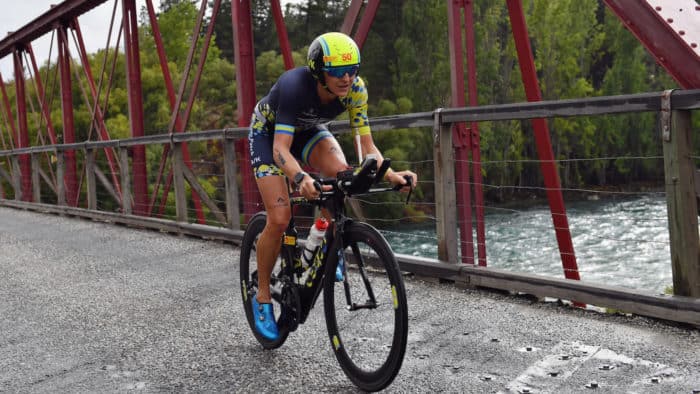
(291, 306)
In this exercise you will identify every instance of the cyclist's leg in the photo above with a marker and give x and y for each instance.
(325, 154)
(273, 189)
(329, 159)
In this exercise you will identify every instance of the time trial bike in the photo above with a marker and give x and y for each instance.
(366, 311)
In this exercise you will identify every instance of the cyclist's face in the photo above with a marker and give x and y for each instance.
(339, 86)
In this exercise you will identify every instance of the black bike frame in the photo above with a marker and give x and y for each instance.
(334, 202)
(310, 290)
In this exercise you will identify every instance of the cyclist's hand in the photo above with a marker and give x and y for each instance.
(397, 178)
(311, 189)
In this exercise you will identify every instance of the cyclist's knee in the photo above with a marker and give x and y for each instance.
(336, 167)
(277, 222)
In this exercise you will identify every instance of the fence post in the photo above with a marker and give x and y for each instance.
(445, 190)
(90, 178)
(4, 174)
(232, 210)
(16, 178)
(681, 201)
(60, 182)
(179, 183)
(36, 185)
(125, 180)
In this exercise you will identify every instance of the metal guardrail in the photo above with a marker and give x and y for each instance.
(643, 102)
(673, 106)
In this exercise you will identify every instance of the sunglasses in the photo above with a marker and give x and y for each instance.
(339, 72)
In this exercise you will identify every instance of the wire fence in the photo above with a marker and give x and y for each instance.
(411, 229)
(620, 235)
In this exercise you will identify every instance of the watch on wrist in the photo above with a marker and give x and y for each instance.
(298, 178)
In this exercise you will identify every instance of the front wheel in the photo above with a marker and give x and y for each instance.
(249, 282)
(366, 312)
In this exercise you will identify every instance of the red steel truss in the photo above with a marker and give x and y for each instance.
(543, 141)
(666, 32)
(670, 30)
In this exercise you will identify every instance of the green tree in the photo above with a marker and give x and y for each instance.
(422, 66)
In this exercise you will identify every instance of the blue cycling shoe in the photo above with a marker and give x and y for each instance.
(265, 320)
(340, 270)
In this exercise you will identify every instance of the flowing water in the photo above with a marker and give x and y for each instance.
(616, 242)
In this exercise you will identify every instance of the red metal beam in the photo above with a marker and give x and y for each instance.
(58, 14)
(474, 132)
(23, 136)
(193, 91)
(543, 140)
(202, 59)
(176, 121)
(366, 22)
(133, 71)
(351, 17)
(97, 115)
(285, 48)
(163, 60)
(661, 39)
(64, 65)
(8, 111)
(244, 56)
(460, 137)
(42, 97)
(2, 130)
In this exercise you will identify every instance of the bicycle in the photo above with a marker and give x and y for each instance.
(366, 312)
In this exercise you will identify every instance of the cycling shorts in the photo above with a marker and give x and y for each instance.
(260, 139)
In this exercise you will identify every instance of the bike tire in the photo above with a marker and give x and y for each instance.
(369, 344)
(249, 285)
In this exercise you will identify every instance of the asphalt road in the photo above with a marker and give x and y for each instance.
(94, 307)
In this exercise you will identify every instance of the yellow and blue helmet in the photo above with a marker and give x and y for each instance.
(335, 53)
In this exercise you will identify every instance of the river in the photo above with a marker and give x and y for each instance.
(621, 242)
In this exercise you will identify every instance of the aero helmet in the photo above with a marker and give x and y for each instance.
(332, 50)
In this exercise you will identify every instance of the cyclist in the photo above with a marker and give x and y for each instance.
(289, 124)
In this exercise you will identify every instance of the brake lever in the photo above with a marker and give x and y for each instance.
(409, 183)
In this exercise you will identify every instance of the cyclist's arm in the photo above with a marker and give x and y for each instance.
(281, 151)
(284, 159)
(356, 103)
(368, 147)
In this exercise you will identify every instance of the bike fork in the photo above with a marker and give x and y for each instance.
(371, 302)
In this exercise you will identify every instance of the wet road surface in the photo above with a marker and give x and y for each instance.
(93, 307)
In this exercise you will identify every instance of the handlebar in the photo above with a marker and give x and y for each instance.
(359, 180)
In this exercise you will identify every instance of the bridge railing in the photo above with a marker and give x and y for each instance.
(217, 185)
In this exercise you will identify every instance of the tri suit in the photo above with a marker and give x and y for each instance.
(293, 107)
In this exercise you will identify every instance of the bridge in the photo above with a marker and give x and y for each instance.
(90, 306)
(105, 179)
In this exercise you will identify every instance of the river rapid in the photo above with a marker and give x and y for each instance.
(620, 242)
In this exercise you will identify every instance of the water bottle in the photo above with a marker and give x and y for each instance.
(316, 233)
